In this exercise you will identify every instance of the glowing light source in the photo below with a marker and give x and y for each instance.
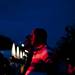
(24, 54)
(17, 54)
(21, 55)
(13, 50)
(67, 58)
(22, 45)
(26, 51)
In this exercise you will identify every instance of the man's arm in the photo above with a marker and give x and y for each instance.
(22, 69)
(46, 58)
(29, 70)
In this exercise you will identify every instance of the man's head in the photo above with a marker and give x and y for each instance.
(27, 41)
(39, 36)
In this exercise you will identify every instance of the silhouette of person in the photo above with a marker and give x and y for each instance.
(5, 68)
(65, 59)
(40, 51)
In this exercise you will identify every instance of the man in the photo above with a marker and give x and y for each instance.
(40, 54)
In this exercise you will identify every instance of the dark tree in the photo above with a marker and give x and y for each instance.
(5, 43)
(65, 49)
(66, 46)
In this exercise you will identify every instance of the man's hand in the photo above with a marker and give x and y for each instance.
(22, 69)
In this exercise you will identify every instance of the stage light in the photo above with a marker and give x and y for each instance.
(13, 50)
(26, 51)
(17, 54)
(21, 54)
(22, 45)
(24, 54)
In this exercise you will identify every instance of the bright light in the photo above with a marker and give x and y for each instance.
(22, 45)
(17, 52)
(24, 55)
(13, 50)
(67, 58)
(21, 56)
(26, 51)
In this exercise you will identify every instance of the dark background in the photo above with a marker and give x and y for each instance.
(19, 17)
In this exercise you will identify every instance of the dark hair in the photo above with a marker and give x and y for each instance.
(40, 36)
(27, 41)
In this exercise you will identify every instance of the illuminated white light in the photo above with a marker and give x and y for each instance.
(13, 50)
(24, 54)
(22, 45)
(17, 52)
(67, 58)
(21, 56)
(26, 51)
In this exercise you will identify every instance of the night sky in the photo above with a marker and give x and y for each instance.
(19, 17)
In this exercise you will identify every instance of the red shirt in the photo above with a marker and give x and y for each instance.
(39, 55)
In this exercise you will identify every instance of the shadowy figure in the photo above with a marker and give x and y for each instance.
(5, 68)
(38, 57)
(65, 53)
(27, 46)
(5, 43)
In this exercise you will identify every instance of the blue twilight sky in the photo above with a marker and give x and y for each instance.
(19, 17)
